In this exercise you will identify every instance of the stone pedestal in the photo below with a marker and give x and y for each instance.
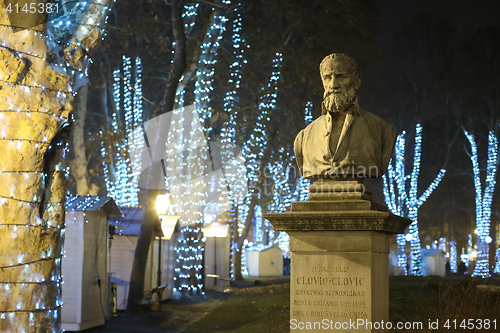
(339, 242)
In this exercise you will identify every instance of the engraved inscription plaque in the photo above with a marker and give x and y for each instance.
(336, 287)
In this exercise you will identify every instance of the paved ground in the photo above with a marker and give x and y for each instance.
(175, 316)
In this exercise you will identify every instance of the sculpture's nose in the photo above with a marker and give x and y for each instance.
(334, 83)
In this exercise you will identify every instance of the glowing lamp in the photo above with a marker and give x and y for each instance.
(168, 225)
(162, 204)
(488, 239)
(473, 255)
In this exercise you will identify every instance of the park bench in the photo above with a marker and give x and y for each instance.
(226, 281)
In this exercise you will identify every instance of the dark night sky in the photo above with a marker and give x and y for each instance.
(465, 20)
(462, 14)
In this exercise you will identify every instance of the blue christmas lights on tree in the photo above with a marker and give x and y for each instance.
(258, 234)
(253, 148)
(281, 192)
(188, 131)
(186, 165)
(402, 203)
(395, 194)
(453, 257)
(483, 200)
(234, 182)
(497, 261)
(120, 179)
(206, 67)
(470, 248)
(302, 189)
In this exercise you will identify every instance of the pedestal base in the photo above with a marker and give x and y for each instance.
(339, 267)
(339, 280)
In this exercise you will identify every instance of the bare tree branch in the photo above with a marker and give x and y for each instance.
(194, 48)
(179, 64)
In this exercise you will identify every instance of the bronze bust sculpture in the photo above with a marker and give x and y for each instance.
(345, 141)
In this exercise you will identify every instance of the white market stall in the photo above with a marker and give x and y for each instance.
(268, 262)
(433, 262)
(84, 266)
(394, 268)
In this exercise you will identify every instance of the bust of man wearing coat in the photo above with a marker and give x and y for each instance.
(345, 141)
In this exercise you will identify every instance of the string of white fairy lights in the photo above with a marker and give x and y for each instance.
(233, 172)
(397, 199)
(190, 247)
(302, 188)
(253, 148)
(483, 200)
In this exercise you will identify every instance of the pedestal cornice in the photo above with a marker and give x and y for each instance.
(365, 220)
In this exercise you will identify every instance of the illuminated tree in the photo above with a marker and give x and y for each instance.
(469, 250)
(453, 257)
(42, 66)
(279, 191)
(191, 26)
(402, 203)
(497, 261)
(196, 178)
(483, 200)
(302, 189)
(257, 154)
(282, 195)
(120, 175)
(234, 181)
(395, 193)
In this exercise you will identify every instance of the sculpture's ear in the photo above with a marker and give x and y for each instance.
(357, 82)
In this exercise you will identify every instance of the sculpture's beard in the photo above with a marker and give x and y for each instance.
(340, 101)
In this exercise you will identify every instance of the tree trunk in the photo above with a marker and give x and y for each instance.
(238, 276)
(181, 66)
(180, 63)
(79, 162)
(35, 112)
(150, 217)
(238, 240)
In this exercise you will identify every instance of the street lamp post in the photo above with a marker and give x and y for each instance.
(168, 223)
(215, 230)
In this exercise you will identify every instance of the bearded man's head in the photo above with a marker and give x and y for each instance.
(341, 79)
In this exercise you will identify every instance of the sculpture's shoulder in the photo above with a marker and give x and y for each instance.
(316, 125)
(378, 124)
(384, 136)
(310, 129)
(307, 136)
(373, 118)
(298, 140)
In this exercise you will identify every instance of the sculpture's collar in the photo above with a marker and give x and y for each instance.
(353, 108)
